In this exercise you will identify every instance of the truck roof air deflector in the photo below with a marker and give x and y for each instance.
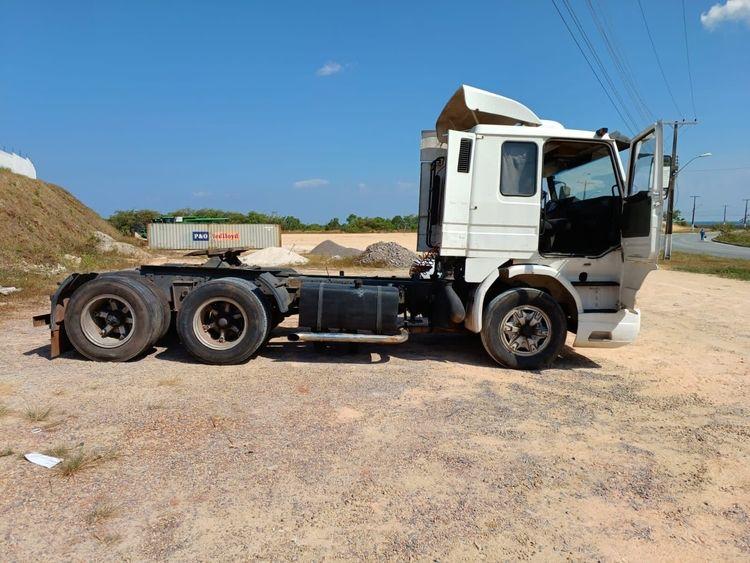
(471, 106)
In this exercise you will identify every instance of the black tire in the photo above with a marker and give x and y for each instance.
(160, 300)
(132, 300)
(204, 307)
(522, 306)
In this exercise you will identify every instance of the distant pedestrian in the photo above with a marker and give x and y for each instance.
(703, 234)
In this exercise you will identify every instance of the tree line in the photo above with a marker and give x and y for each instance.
(135, 220)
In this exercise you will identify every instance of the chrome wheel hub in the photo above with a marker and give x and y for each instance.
(525, 330)
(108, 321)
(219, 323)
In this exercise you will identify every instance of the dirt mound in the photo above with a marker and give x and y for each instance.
(273, 256)
(41, 222)
(388, 254)
(330, 248)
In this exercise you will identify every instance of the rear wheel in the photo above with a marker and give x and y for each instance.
(159, 300)
(223, 321)
(524, 329)
(112, 319)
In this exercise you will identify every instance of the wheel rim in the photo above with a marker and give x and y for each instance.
(220, 323)
(108, 321)
(525, 330)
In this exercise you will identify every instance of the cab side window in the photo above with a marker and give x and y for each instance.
(518, 168)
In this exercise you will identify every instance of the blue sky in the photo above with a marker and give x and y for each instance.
(314, 108)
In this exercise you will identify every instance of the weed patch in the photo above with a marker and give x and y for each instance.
(38, 413)
(731, 268)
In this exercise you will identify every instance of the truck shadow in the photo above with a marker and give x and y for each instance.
(463, 349)
(447, 348)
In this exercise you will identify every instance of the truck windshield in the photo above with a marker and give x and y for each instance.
(579, 170)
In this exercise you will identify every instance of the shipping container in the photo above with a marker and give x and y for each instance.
(193, 236)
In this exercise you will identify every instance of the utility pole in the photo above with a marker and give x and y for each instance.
(670, 201)
(744, 221)
(672, 188)
(725, 213)
(692, 221)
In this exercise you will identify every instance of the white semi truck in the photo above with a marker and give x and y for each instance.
(532, 231)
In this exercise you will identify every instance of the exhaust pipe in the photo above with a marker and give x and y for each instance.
(399, 338)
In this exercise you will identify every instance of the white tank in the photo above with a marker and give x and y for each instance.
(18, 164)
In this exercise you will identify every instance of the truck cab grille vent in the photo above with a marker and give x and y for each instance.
(464, 156)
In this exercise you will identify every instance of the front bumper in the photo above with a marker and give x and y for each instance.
(607, 330)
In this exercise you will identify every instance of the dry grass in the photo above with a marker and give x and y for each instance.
(172, 381)
(5, 452)
(4, 410)
(107, 538)
(58, 451)
(38, 413)
(100, 512)
(82, 459)
(732, 268)
(738, 237)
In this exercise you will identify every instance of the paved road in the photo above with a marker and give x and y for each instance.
(691, 242)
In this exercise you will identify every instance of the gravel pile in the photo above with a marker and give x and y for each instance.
(330, 249)
(388, 254)
(273, 256)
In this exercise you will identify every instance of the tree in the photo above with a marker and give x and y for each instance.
(133, 220)
(136, 220)
(677, 217)
(333, 225)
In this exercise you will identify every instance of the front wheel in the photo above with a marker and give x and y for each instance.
(523, 329)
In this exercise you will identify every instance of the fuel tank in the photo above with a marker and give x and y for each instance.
(348, 306)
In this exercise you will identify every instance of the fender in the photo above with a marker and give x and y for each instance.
(56, 317)
(270, 285)
(476, 307)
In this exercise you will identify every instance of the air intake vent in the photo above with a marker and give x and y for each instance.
(464, 156)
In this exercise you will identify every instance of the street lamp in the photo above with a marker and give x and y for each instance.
(670, 203)
(704, 155)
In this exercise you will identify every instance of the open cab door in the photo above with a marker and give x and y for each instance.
(642, 211)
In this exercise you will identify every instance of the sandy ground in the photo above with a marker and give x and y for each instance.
(305, 242)
(420, 451)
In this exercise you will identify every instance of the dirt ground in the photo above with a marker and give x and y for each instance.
(305, 242)
(419, 451)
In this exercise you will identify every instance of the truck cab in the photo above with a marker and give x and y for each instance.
(511, 200)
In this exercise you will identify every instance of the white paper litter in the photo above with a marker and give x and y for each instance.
(44, 460)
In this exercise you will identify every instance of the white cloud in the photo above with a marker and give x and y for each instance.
(202, 194)
(311, 183)
(331, 67)
(731, 11)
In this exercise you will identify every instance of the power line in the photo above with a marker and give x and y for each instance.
(687, 56)
(606, 92)
(599, 62)
(620, 62)
(658, 60)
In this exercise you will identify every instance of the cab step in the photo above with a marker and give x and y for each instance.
(595, 284)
